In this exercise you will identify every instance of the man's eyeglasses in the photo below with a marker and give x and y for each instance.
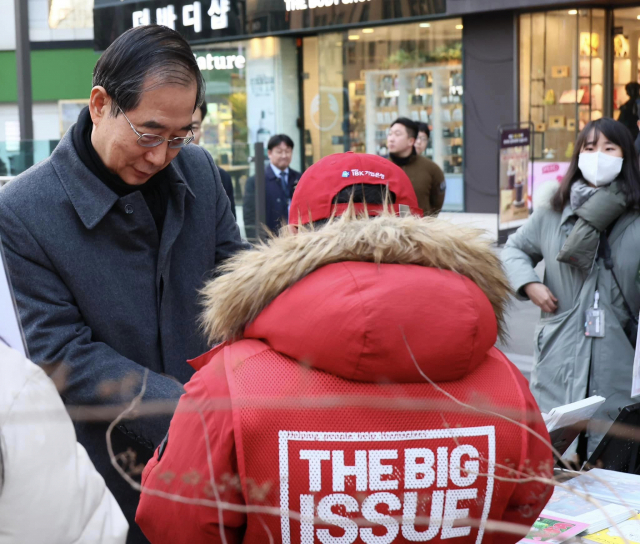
(154, 140)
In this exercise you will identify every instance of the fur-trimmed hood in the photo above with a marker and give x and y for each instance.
(349, 283)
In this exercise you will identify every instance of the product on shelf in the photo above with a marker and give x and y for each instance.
(431, 95)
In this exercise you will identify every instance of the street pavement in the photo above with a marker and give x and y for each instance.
(521, 321)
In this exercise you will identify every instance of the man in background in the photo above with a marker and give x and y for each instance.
(279, 181)
(197, 120)
(422, 140)
(426, 176)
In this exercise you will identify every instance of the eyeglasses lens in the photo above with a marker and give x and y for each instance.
(149, 140)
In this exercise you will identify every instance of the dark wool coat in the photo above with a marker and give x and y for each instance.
(277, 202)
(100, 293)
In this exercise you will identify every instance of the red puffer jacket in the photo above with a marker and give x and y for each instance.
(365, 402)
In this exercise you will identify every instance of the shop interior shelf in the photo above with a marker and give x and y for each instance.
(434, 81)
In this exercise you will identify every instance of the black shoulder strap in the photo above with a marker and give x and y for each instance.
(605, 254)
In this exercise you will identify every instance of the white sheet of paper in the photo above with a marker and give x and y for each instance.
(635, 382)
(10, 328)
(570, 414)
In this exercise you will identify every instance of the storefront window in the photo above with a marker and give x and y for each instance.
(357, 82)
(561, 82)
(251, 94)
(70, 13)
(626, 64)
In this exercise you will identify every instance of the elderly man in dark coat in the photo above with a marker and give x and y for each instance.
(109, 241)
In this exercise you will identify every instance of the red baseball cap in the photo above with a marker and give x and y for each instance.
(320, 184)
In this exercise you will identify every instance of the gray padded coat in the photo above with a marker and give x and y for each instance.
(566, 361)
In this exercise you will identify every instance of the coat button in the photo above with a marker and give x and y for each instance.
(128, 208)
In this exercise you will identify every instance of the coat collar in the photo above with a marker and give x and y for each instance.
(566, 214)
(269, 174)
(625, 220)
(90, 197)
(277, 172)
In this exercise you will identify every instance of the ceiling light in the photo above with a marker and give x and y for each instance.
(638, 17)
(459, 27)
(354, 37)
(367, 30)
(573, 12)
(425, 25)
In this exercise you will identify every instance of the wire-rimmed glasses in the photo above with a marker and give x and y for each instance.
(154, 140)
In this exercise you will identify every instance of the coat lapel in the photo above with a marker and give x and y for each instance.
(174, 219)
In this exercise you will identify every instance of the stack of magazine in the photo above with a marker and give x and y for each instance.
(627, 532)
(597, 505)
(607, 485)
(570, 504)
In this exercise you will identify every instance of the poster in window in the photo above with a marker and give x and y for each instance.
(68, 111)
(589, 44)
(621, 46)
(515, 154)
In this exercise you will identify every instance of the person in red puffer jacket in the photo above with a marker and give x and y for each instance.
(357, 395)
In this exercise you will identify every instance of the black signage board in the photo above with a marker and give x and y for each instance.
(219, 20)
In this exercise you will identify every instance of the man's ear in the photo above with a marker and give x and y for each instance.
(638, 123)
(99, 104)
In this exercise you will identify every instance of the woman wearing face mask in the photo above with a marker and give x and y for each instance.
(589, 239)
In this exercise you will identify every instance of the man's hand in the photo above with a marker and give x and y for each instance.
(542, 297)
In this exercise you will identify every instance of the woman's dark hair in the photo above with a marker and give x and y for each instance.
(629, 177)
(143, 53)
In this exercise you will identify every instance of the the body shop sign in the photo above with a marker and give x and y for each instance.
(296, 5)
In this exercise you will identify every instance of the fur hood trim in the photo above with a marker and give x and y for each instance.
(252, 279)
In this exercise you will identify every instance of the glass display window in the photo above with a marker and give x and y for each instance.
(626, 66)
(561, 78)
(357, 82)
(70, 14)
(225, 129)
(251, 94)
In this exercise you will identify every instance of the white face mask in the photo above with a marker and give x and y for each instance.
(599, 168)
